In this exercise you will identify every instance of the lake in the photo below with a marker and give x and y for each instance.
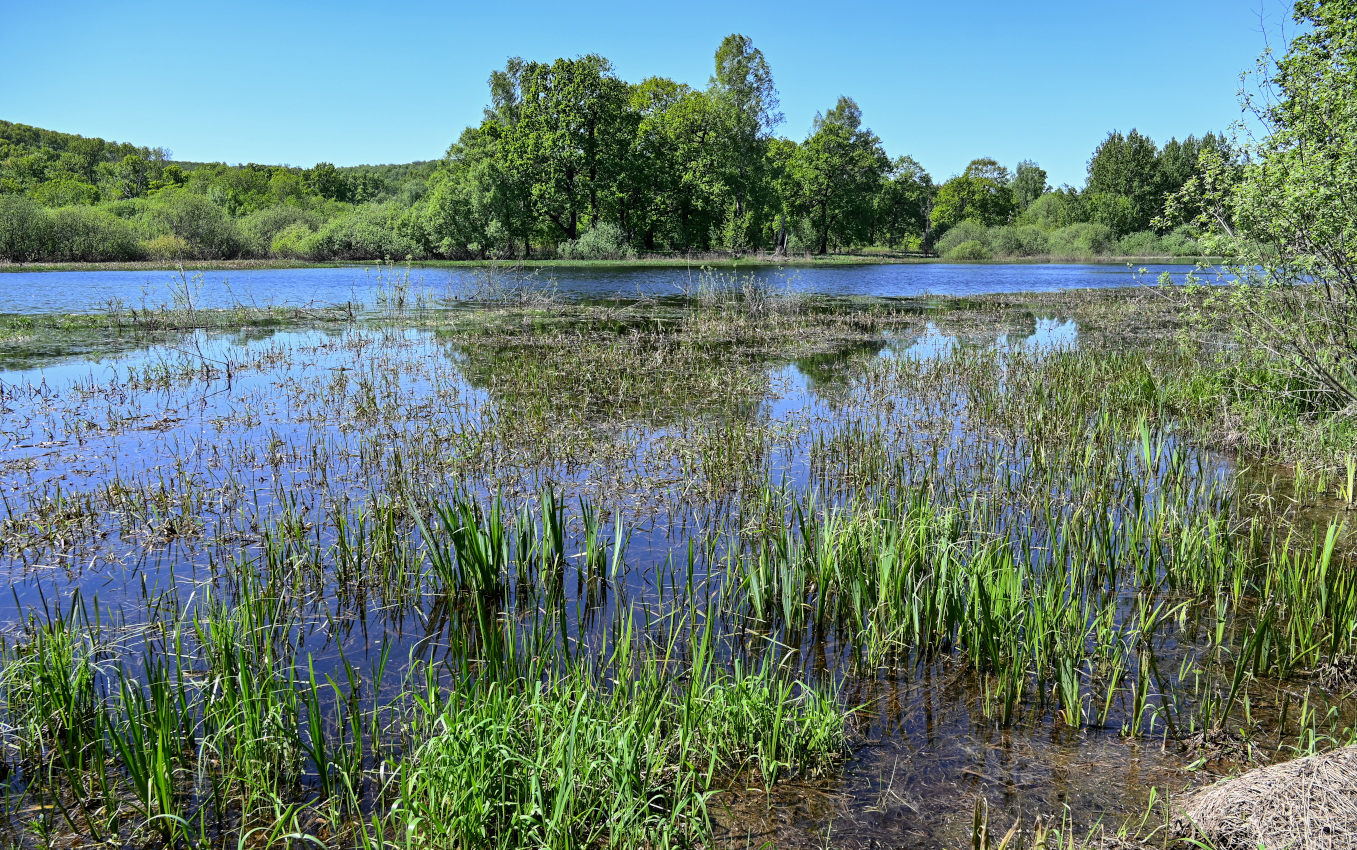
(81, 291)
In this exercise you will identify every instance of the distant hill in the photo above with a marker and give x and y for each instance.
(85, 152)
(71, 198)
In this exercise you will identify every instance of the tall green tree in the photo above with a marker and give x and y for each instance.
(786, 192)
(839, 169)
(464, 214)
(742, 87)
(1125, 166)
(1056, 209)
(905, 202)
(325, 180)
(678, 169)
(693, 126)
(982, 193)
(571, 132)
(1029, 183)
(131, 176)
(1179, 163)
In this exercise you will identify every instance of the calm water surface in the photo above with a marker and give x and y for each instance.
(75, 291)
(144, 475)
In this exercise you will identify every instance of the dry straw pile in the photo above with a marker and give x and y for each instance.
(1306, 804)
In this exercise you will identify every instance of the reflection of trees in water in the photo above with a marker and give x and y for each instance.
(1017, 326)
(827, 373)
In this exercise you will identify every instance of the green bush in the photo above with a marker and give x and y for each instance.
(1143, 243)
(89, 235)
(367, 232)
(166, 246)
(965, 231)
(1055, 210)
(209, 231)
(604, 241)
(296, 242)
(261, 227)
(969, 252)
(1118, 212)
(23, 229)
(1023, 240)
(65, 192)
(1181, 243)
(1080, 241)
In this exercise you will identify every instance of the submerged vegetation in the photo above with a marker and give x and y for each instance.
(511, 571)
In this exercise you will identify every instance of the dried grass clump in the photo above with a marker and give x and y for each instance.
(1306, 804)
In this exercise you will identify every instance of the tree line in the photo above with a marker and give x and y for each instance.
(571, 161)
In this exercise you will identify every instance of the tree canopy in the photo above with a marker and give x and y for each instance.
(1282, 205)
(565, 148)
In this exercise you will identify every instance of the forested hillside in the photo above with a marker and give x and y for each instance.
(571, 161)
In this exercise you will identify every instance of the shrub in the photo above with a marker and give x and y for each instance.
(261, 227)
(296, 242)
(969, 252)
(1078, 241)
(1181, 243)
(1143, 243)
(367, 232)
(1116, 211)
(89, 235)
(23, 229)
(1019, 241)
(604, 241)
(206, 227)
(965, 231)
(801, 237)
(167, 246)
(913, 244)
(65, 192)
(1054, 210)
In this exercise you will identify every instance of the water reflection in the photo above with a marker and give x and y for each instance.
(81, 291)
(106, 468)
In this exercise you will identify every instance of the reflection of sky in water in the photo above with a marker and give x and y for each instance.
(926, 749)
(1048, 335)
(33, 292)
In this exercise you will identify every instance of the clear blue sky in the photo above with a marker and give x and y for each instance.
(397, 81)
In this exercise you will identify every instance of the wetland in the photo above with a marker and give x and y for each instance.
(890, 556)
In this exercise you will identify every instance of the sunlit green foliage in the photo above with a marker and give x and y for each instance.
(838, 170)
(1282, 205)
(566, 148)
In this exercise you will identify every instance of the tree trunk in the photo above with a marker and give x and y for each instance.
(593, 178)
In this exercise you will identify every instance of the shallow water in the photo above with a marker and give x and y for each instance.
(80, 291)
(302, 425)
(139, 480)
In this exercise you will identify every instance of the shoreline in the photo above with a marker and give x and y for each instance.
(652, 262)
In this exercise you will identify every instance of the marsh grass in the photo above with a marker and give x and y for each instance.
(528, 572)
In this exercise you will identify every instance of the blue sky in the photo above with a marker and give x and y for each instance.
(395, 81)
